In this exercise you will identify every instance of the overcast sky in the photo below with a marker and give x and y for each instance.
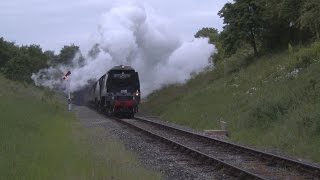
(53, 24)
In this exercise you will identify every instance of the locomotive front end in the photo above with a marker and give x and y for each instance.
(124, 88)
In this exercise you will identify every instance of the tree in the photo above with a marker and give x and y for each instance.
(7, 51)
(289, 10)
(230, 41)
(268, 25)
(282, 24)
(310, 16)
(27, 60)
(67, 53)
(214, 38)
(21, 67)
(52, 58)
(243, 22)
(94, 51)
(211, 33)
(34, 51)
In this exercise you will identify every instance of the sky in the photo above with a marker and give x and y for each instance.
(52, 24)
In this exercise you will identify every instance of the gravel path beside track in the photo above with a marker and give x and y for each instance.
(153, 154)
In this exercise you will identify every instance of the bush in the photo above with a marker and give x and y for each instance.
(307, 56)
(238, 61)
(21, 67)
(28, 60)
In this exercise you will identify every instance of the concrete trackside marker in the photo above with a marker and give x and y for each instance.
(222, 132)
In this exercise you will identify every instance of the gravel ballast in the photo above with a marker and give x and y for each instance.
(151, 153)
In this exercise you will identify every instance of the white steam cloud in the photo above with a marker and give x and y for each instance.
(134, 35)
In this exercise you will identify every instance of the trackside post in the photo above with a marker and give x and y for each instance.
(65, 77)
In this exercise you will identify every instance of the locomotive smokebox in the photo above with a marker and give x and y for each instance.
(117, 91)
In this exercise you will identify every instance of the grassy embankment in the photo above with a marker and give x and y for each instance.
(40, 140)
(271, 101)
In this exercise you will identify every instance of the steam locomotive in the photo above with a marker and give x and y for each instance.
(117, 92)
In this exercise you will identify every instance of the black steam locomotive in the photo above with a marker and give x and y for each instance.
(117, 92)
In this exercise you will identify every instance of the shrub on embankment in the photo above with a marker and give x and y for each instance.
(270, 101)
(39, 139)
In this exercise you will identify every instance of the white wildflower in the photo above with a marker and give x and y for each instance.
(294, 73)
(235, 85)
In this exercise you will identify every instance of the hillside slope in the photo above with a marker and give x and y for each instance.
(272, 101)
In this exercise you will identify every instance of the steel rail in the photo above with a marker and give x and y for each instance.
(207, 159)
(272, 158)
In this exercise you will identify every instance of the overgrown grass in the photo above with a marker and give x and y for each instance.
(271, 101)
(110, 161)
(40, 140)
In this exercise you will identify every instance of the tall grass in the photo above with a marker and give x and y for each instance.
(270, 101)
(40, 140)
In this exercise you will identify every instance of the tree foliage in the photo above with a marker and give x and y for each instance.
(19, 62)
(27, 60)
(310, 16)
(211, 33)
(7, 51)
(214, 38)
(244, 22)
(265, 25)
(67, 53)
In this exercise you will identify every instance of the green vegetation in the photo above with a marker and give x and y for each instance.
(264, 26)
(20, 62)
(110, 161)
(40, 140)
(265, 83)
(271, 101)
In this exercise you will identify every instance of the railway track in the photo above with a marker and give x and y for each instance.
(235, 160)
